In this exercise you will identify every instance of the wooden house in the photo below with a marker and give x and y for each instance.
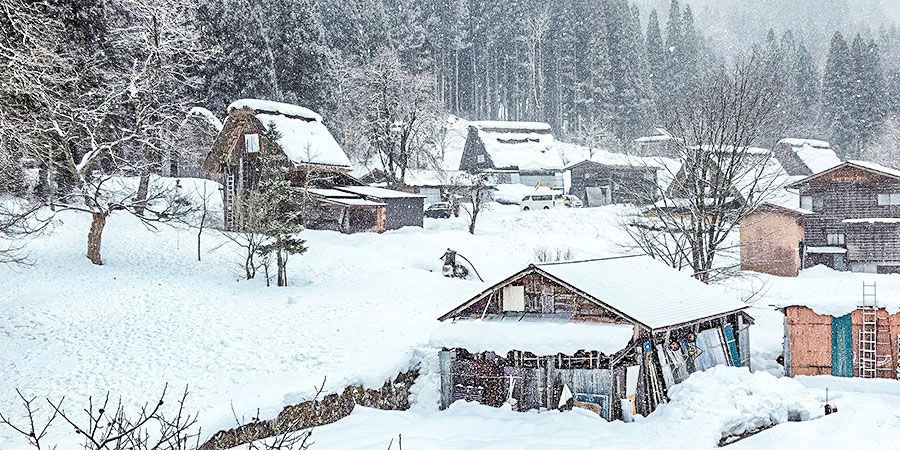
(659, 144)
(595, 328)
(854, 219)
(320, 169)
(513, 152)
(804, 157)
(599, 183)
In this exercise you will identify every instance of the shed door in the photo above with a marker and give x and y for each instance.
(841, 347)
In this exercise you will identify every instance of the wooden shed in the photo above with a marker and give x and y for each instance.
(861, 343)
(595, 328)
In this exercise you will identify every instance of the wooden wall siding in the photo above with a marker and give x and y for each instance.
(851, 193)
(770, 243)
(635, 185)
(810, 342)
(878, 242)
(544, 296)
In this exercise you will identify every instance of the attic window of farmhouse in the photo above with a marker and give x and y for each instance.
(835, 238)
(251, 143)
(480, 158)
(812, 203)
(514, 298)
(888, 199)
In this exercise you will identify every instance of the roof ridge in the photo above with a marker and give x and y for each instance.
(587, 260)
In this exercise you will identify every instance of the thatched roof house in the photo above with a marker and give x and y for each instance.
(321, 169)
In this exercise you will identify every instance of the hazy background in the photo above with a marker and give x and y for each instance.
(731, 25)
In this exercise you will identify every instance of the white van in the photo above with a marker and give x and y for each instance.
(543, 200)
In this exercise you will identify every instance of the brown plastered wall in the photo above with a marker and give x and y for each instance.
(810, 341)
(769, 243)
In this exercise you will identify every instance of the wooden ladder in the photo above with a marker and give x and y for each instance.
(868, 332)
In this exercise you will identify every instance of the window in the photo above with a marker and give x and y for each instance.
(251, 143)
(888, 199)
(514, 298)
(835, 238)
(480, 158)
(541, 198)
(812, 203)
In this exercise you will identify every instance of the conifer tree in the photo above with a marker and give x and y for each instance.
(838, 92)
(656, 56)
(867, 109)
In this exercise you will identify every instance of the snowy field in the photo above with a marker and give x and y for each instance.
(360, 308)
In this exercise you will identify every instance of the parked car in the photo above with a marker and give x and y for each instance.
(439, 210)
(542, 201)
(572, 201)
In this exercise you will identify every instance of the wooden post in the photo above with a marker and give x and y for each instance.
(380, 219)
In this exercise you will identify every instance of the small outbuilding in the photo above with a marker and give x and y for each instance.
(837, 323)
(595, 330)
(599, 183)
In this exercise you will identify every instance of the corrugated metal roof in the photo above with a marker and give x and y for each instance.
(645, 289)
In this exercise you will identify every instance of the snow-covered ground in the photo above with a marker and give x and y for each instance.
(360, 308)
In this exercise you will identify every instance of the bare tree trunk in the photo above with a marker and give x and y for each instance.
(282, 262)
(95, 236)
(141, 195)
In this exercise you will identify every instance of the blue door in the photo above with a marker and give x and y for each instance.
(732, 346)
(841, 347)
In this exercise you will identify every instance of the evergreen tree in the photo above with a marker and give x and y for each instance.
(867, 108)
(656, 57)
(674, 79)
(805, 105)
(838, 92)
(276, 215)
(245, 64)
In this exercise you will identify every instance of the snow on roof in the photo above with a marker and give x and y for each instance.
(526, 145)
(352, 202)
(645, 289)
(865, 165)
(873, 220)
(827, 250)
(824, 290)
(817, 159)
(508, 125)
(540, 338)
(876, 167)
(421, 177)
(795, 142)
(286, 109)
(206, 115)
(331, 193)
(306, 142)
(377, 192)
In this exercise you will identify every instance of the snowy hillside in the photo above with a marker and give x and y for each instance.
(358, 308)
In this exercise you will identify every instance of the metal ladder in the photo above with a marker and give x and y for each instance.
(868, 332)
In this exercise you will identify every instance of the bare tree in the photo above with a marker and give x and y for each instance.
(394, 118)
(473, 194)
(722, 178)
(113, 429)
